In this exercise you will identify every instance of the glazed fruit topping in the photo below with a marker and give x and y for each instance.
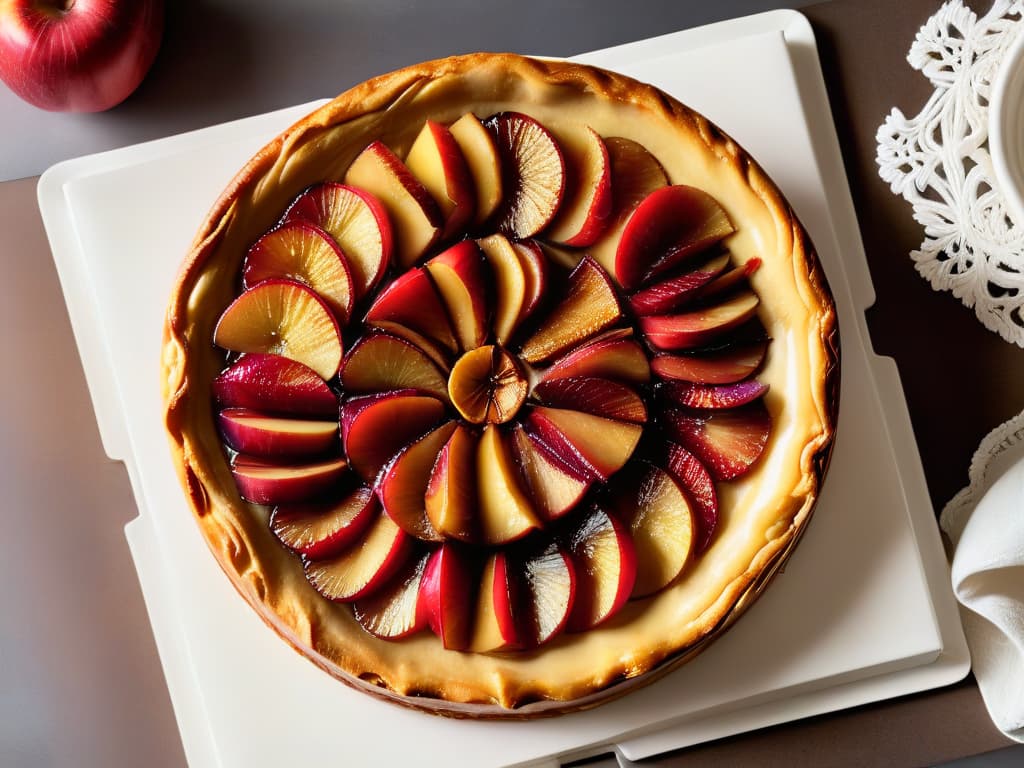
(492, 384)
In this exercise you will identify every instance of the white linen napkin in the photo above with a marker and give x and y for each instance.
(985, 523)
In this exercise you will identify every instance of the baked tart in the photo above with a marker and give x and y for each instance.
(500, 386)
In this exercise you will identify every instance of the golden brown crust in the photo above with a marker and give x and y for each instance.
(649, 637)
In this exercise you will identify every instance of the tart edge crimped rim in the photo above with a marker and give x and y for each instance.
(221, 514)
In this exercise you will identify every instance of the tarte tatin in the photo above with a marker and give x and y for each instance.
(501, 386)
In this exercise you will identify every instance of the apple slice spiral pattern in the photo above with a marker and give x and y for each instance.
(489, 388)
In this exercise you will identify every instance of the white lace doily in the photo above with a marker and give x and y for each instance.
(939, 162)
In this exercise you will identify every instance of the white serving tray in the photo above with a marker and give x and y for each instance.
(863, 610)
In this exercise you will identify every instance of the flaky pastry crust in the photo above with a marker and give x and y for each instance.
(764, 513)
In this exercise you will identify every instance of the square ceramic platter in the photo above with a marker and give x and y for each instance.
(863, 610)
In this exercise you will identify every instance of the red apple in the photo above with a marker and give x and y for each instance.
(78, 55)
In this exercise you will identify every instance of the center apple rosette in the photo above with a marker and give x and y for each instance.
(488, 387)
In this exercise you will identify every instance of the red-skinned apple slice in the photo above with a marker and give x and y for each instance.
(393, 611)
(695, 478)
(375, 427)
(504, 511)
(605, 564)
(727, 281)
(533, 173)
(601, 397)
(657, 512)
(691, 395)
(548, 589)
(587, 203)
(554, 486)
(590, 305)
(670, 224)
(635, 174)
(481, 155)
(600, 446)
(282, 317)
(411, 300)
(509, 284)
(672, 292)
(265, 482)
(438, 354)
(450, 498)
(365, 566)
(458, 272)
(699, 327)
(724, 366)
(324, 529)
(494, 627)
(381, 362)
(403, 483)
(302, 251)
(275, 384)
(415, 218)
(260, 434)
(728, 441)
(616, 358)
(535, 271)
(357, 222)
(448, 594)
(436, 160)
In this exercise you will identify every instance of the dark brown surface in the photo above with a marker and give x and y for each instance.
(960, 381)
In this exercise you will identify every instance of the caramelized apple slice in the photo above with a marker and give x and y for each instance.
(260, 434)
(415, 217)
(458, 273)
(533, 173)
(450, 498)
(655, 509)
(672, 292)
(275, 384)
(375, 427)
(357, 222)
(548, 588)
(403, 483)
(282, 317)
(494, 625)
(597, 446)
(725, 366)
(436, 160)
(448, 594)
(264, 482)
(381, 362)
(616, 358)
(302, 251)
(439, 355)
(411, 300)
(324, 529)
(535, 271)
(728, 442)
(487, 385)
(590, 305)
(700, 326)
(509, 284)
(555, 487)
(587, 204)
(601, 397)
(605, 564)
(696, 480)
(670, 224)
(364, 567)
(393, 611)
(635, 174)
(481, 155)
(728, 281)
(504, 510)
(691, 395)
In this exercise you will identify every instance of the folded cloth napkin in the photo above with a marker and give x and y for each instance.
(985, 523)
